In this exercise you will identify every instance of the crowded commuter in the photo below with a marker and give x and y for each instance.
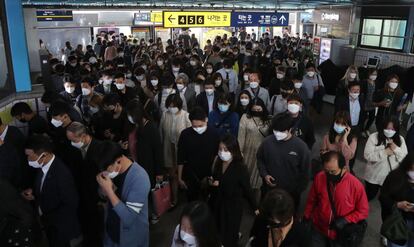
(303, 127)
(24, 113)
(224, 119)
(351, 75)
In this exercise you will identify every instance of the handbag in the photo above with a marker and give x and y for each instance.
(353, 233)
(395, 228)
(161, 197)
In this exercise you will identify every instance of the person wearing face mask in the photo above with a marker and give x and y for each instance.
(254, 127)
(278, 154)
(220, 85)
(22, 112)
(369, 88)
(153, 86)
(175, 67)
(278, 103)
(338, 187)
(223, 118)
(90, 216)
(194, 163)
(255, 90)
(185, 91)
(300, 90)
(82, 101)
(276, 226)
(274, 87)
(354, 104)
(209, 70)
(229, 184)
(397, 190)
(193, 66)
(208, 99)
(72, 66)
(197, 227)
(70, 93)
(140, 78)
(243, 103)
(303, 126)
(229, 76)
(169, 87)
(127, 206)
(340, 138)
(314, 86)
(125, 93)
(390, 100)
(172, 123)
(110, 52)
(214, 58)
(112, 125)
(58, 214)
(351, 75)
(105, 83)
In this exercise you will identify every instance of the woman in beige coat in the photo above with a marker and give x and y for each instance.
(254, 126)
(173, 121)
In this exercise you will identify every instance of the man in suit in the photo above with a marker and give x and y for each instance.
(23, 113)
(353, 103)
(208, 99)
(127, 205)
(54, 193)
(90, 211)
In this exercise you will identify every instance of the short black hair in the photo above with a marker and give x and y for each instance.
(110, 152)
(39, 144)
(210, 81)
(119, 74)
(174, 99)
(310, 65)
(20, 108)
(111, 99)
(278, 205)
(294, 97)
(197, 113)
(282, 122)
(287, 85)
(59, 108)
(353, 84)
(328, 156)
(88, 80)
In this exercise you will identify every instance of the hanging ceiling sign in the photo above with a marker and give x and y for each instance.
(196, 19)
(54, 15)
(259, 19)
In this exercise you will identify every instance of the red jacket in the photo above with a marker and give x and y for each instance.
(349, 197)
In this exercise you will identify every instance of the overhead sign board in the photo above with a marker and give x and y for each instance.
(54, 15)
(156, 17)
(140, 17)
(259, 19)
(196, 19)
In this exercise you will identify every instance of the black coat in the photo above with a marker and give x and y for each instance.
(202, 101)
(303, 129)
(58, 202)
(342, 104)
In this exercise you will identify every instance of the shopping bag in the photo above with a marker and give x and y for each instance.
(395, 228)
(161, 197)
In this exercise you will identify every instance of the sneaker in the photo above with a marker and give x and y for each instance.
(384, 241)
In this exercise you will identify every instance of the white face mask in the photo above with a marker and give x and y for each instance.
(107, 82)
(112, 175)
(224, 155)
(393, 85)
(78, 145)
(253, 84)
(180, 87)
(176, 69)
(293, 108)
(160, 62)
(209, 91)
(70, 89)
(93, 110)
(168, 91)
(193, 63)
(310, 73)
(86, 91)
(209, 71)
(354, 95)
(140, 77)
(173, 110)
(280, 135)
(389, 133)
(280, 76)
(298, 85)
(373, 77)
(154, 83)
(56, 123)
(246, 77)
(218, 83)
(188, 238)
(200, 130)
(411, 175)
(120, 86)
(244, 102)
(130, 119)
(352, 75)
(35, 164)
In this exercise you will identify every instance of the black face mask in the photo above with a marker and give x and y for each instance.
(334, 178)
(256, 113)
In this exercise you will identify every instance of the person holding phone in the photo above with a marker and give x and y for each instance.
(398, 189)
(340, 138)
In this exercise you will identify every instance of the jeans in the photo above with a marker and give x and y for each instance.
(320, 240)
(410, 243)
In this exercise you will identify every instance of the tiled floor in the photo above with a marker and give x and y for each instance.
(161, 233)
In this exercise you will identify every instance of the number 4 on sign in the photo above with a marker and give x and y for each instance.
(282, 19)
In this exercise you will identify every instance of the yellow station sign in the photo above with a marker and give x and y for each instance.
(156, 17)
(196, 19)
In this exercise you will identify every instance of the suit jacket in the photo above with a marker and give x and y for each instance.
(58, 201)
(202, 101)
(190, 98)
(133, 210)
(342, 104)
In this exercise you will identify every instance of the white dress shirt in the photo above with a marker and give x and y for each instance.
(354, 109)
(3, 135)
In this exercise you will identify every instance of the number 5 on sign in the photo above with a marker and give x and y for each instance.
(196, 19)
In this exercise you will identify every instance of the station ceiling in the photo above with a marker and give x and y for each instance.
(250, 4)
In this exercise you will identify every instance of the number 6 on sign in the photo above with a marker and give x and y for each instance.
(200, 19)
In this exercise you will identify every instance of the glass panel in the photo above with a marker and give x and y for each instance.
(394, 27)
(392, 43)
(372, 26)
(3, 62)
(370, 40)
